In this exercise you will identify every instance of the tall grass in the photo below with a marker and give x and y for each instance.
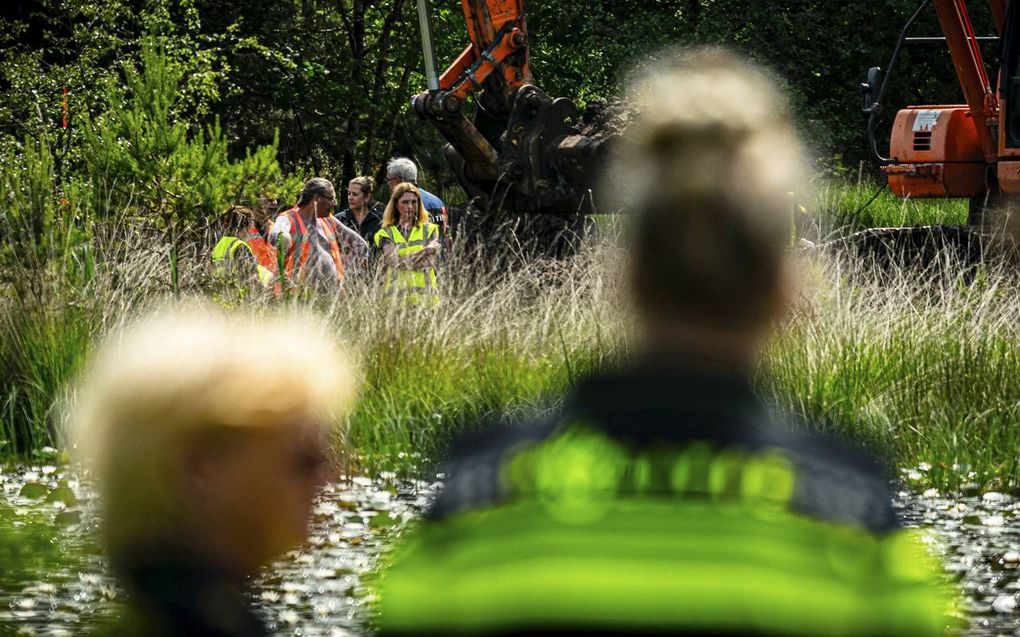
(503, 338)
(52, 311)
(922, 363)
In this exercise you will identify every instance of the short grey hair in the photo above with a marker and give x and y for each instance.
(402, 168)
(315, 186)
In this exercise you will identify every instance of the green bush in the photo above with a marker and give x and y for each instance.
(142, 156)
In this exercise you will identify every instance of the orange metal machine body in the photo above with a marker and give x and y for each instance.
(938, 153)
(968, 150)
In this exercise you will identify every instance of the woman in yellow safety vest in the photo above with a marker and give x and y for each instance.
(410, 246)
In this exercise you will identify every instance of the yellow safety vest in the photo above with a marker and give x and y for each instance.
(416, 286)
(225, 251)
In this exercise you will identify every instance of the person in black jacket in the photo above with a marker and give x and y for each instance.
(205, 473)
(364, 214)
(665, 498)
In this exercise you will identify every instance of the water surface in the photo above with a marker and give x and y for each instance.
(323, 589)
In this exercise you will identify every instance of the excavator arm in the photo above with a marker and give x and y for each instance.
(519, 152)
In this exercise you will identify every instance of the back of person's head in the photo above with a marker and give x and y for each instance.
(196, 382)
(315, 186)
(236, 219)
(391, 215)
(403, 169)
(706, 168)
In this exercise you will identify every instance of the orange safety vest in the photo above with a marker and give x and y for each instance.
(299, 233)
(265, 254)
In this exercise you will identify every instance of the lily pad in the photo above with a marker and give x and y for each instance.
(995, 496)
(62, 494)
(68, 517)
(34, 490)
(348, 505)
(1005, 604)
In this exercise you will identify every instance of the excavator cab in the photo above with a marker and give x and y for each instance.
(969, 150)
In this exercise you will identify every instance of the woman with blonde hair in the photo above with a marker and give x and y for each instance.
(410, 247)
(208, 443)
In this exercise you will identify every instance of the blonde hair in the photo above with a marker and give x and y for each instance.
(366, 183)
(709, 162)
(195, 372)
(391, 216)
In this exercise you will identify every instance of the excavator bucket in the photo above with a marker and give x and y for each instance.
(522, 153)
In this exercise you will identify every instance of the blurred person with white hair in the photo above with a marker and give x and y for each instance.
(204, 474)
(665, 498)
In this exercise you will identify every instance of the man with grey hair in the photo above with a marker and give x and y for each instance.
(310, 238)
(402, 169)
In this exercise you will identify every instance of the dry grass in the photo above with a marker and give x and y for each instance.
(922, 363)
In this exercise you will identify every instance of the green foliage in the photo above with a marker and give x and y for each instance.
(29, 204)
(842, 207)
(144, 173)
(821, 51)
(590, 58)
(140, 151)
(334, 78)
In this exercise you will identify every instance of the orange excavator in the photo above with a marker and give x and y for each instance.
(969, 150)
(521, 151)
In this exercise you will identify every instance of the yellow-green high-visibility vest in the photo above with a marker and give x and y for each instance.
(416, 286)
(226, 249)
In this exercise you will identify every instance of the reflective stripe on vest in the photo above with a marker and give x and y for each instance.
(226, 250)
(417, 286)
(595, 537)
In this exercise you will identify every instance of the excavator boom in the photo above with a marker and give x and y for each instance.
(519, 152)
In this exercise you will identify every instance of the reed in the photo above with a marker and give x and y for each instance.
(921, 363)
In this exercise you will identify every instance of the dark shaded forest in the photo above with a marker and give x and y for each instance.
(329, 81)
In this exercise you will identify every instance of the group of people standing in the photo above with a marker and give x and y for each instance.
(312, 245)
(663, 498)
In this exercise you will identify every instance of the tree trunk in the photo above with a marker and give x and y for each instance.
(376, 101)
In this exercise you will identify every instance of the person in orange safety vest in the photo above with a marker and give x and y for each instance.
(309, 238)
